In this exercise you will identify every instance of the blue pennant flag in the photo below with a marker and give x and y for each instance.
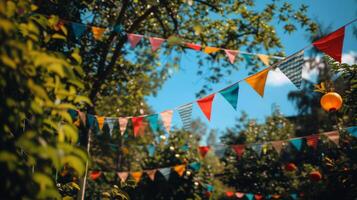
(296, 143)
(292, 67)
(231, 94)
(247, 58)
(195, 166)
(165, 172)
(78, 29)
(87, 17)
(185, 113)
(151, 149)
(110, 122)
(249, 196)
(153, 121)
(293, 196)
(209, 188)
(352, 130)
(257, 148)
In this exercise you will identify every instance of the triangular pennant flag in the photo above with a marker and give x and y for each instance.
(123, 176)
(83, 117)
(332, 44)
(210, 50)
(195, 166)
(352, 130)
(296, 143)
(264, 58)
(239, 149)
(123, 121)
(151, 149)
(137, 125)
(185, 112)
(258, 197)
(94, 175)
(278, 146)
(231, 94)
(180, 169)
(118, 28)
(229, 194)
(87, 17)
(100, 121)
(91, 121)
(97, 32)
(292, 67)
(193, 46)
(151, 174)
(257, 81)
(206, 105)
(312, 141)
(239, 194)
(185, 147)
(73, 113)
(136, 176)
(156, 42)
(166, 118)
(257, 148)
(249, 196)
(134, 39)
(110, 125)
(153, 121)
(334, 136)
(78, 29)
(165, 172)
(209, 188)
(231, 55)
(293, 196)
(247, 58)
(203, 150)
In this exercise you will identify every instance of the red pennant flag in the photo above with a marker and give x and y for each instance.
(312, 141)
(134, 39)
(231, 55)
(156, 42)
(137, 125)
(332, 44)
(203, 150)
(206, 105)
(239, 194)
(258, 196)
(94, 175)
(193, 46)
(239, 149)
(229, 194)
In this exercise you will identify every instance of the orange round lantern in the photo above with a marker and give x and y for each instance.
(315, 175)
(331, 101)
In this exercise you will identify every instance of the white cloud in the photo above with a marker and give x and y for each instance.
(277, 78)
(349, 58)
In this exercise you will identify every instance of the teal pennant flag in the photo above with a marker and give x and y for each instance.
(293, 196)
(247, 58)
(165, 172)
(352, 130)
(209, 188)
(296, 143)
(91, 120)
(249, 196)
(153, 121)
(78, 29)
(151, 149)
(195, 166)
(73, 113)
(231, 94)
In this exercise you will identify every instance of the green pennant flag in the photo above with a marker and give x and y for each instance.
(231, 94)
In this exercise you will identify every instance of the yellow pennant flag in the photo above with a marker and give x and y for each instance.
(100, 121)
(209, 50)
(264, 59)
(257, 81)
(136, 176)
(180, 169)
(97, 32)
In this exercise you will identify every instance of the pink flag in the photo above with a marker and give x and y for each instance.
(334, 136)
(166, 117)
(123, 122)
(83, 117)
(239, 194)
(278, 145)
(134, 39)
(231, 55)
(156, 42)
(193, 46)
(151, 174)
(123, 176)
(332, 44)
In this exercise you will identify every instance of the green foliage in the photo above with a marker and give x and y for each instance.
(37, 87)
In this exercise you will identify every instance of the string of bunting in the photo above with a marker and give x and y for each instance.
(251, 196)
(151, 173)
(291, 66)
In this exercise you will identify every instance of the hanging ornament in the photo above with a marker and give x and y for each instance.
(315, 175)
(331, 101)
(290, 167)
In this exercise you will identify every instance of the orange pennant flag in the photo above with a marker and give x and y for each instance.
(97, 32)
(257, 81)
(151, 174)
(209, 50)
(264, 59)
(136, 176)
(180, 169)
(100, 121)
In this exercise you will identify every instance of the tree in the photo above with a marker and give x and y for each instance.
(37, 87)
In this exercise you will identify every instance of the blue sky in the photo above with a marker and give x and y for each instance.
(184, 83)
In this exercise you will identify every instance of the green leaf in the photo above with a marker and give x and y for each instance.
(75, 162)
(59, 36)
